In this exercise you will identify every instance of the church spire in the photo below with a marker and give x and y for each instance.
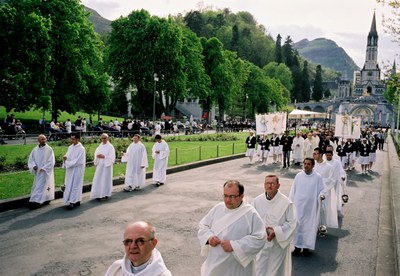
(373, 34)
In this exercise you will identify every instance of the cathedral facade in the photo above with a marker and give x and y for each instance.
(364, 97)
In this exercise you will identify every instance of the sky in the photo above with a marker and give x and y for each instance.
(347, 22)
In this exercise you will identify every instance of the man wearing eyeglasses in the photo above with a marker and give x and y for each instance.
(279, 214)
(231, 235)
(104, 158)
(141, 256)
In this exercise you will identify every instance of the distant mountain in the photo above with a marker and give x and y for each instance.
(327, 53)
(101, 25)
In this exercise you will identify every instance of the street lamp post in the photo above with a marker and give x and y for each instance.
(154, 96)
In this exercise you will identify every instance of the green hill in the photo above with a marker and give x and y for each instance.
(327, 53)
(101, 25)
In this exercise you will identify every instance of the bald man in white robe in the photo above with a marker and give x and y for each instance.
(41, 163)
(104, 159)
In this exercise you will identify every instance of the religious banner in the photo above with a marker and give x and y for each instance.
(343, 125)
(270, 123)
(356, 127)
(347, 126)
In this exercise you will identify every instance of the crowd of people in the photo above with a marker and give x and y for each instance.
(236, 237)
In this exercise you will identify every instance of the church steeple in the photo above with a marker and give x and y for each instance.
(371, 57)
(373, 34)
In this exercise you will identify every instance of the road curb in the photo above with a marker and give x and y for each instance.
(394, 176)
(20, 202)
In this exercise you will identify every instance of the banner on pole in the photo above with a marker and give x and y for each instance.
(270, 123)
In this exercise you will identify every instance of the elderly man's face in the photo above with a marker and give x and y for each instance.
(271, 186)
(42, 140)
(104, 139)
(138, 243)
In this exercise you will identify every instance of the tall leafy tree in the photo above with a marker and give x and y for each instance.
(288, 52)
(75, 51)
(318, 88)
(280, 72)
(198, 82)
(195, 21)
(218, 65)
(306, 90)
(278, 49)
(297, 79)
(141, 46)
(25, 58)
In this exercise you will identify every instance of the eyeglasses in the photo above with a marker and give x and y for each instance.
(231, 196)
(138, 242)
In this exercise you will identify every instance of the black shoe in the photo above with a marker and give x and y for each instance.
(296, 252)
(46, 203)
(70, 206)
(161, 183)
(306, 252)
(158, 184)
(34, 205)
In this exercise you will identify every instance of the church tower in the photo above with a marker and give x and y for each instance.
(369, 82)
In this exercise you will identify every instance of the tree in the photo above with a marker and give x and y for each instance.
(195, 21)
(278, 49)
(140, 46)
(196, 76)
(297, 79)
(318, 88)
(305, 93)
(219, 66)
(280, 72)
(288, 52)
(392, 22)
(70, 50)
(25, 58)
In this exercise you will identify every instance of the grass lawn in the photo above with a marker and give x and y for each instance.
(19, 183)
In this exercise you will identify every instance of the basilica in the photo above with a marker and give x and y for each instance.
(364, 97)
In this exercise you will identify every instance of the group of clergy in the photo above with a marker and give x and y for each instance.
(41, 163)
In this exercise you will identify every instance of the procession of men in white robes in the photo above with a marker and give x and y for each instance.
(280, 217)
(136, 158)
(41, 163)
(104, 159)
(160, 153)
(74, 164)
(231, 235)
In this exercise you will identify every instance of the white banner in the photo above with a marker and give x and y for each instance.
(347, 126)
(271, 123)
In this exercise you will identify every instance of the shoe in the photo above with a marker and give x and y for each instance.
(306, 252)
(284, 167)
(73, 205)
(34, 205)
(296, 252)
(158, 184)
(137, 188)
(161, 183)
(128, 189)
(46, 203)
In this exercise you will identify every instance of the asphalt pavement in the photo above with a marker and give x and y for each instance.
(86, 240)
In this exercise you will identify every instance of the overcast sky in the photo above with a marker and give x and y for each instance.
(347, 22)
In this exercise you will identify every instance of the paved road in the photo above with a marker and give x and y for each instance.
(85, 241)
